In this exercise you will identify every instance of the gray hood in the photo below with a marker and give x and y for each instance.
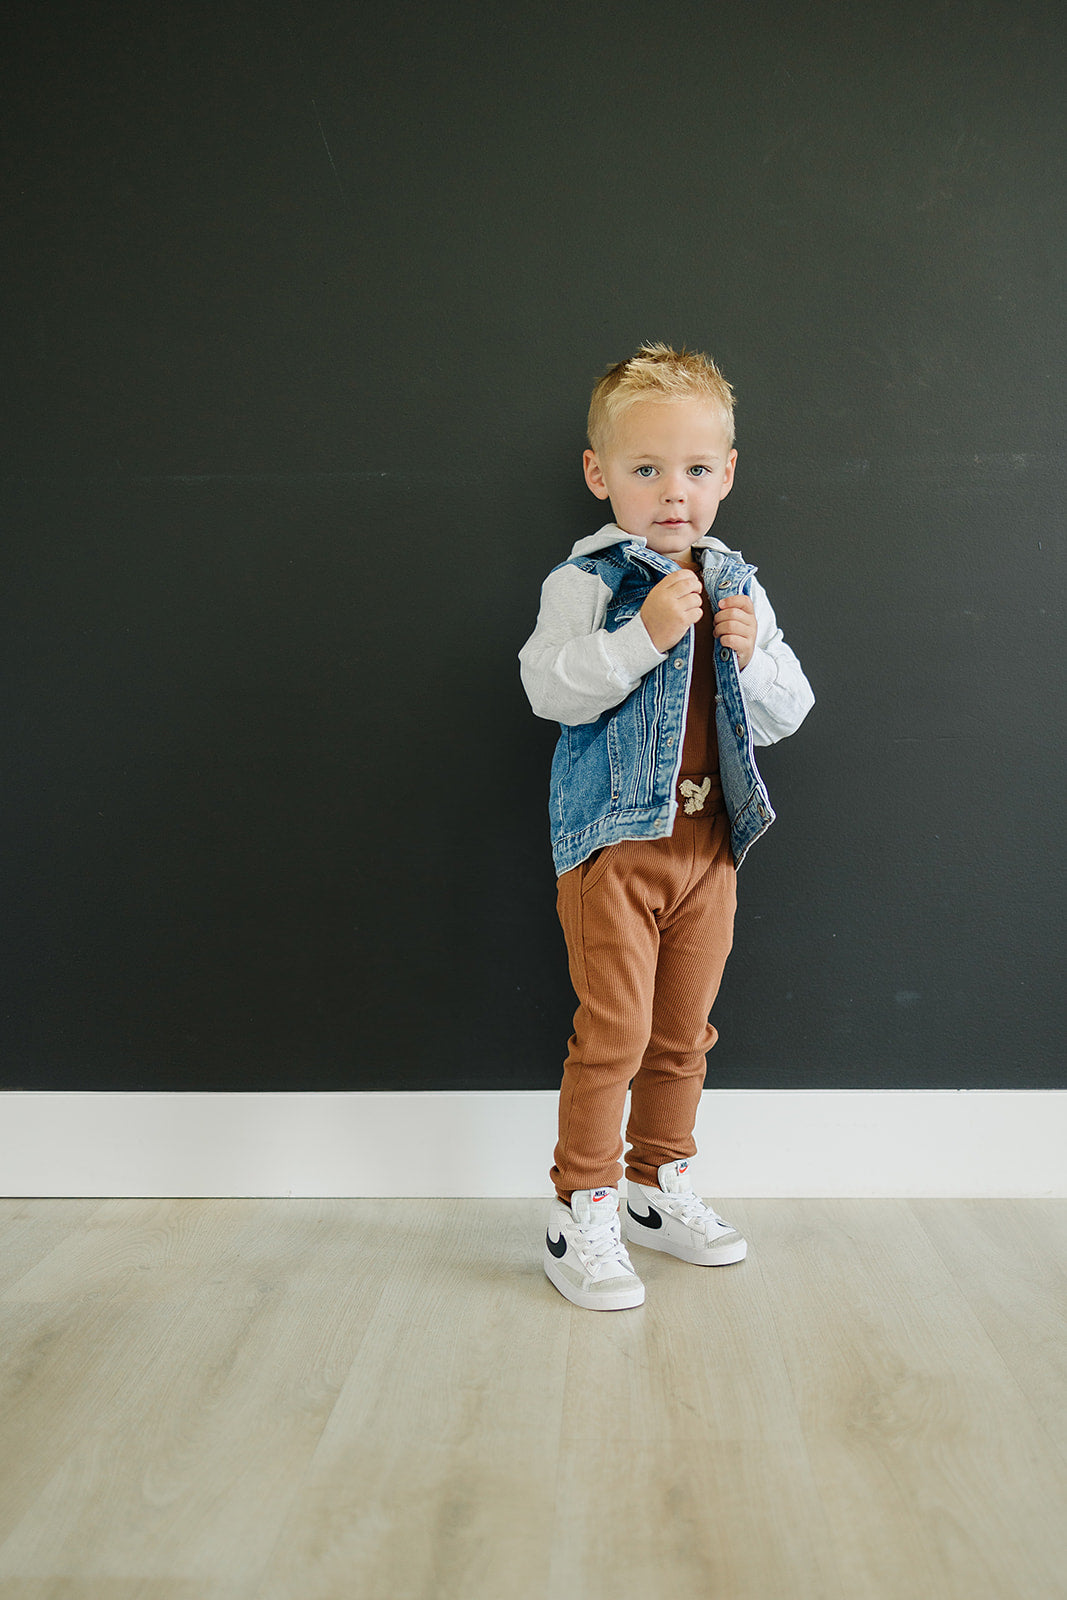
(609, 534)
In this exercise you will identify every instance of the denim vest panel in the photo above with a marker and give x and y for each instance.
(744, 792)
(616, 778)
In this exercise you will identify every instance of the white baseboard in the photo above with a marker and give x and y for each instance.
(795, 1143)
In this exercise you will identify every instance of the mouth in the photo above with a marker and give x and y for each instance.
(673, 522)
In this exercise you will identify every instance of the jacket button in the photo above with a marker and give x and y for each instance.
(739, 730)
(724, 655)
(679, 663)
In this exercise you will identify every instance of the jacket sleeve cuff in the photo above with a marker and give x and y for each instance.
(631, 651)
(758, 676)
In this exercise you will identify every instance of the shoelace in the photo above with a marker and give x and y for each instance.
(690, 1208)
(598, 1242)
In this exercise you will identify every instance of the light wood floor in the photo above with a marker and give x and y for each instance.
(375, 1400)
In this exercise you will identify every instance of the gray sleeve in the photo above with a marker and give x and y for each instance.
(573, 669)
(777, 695)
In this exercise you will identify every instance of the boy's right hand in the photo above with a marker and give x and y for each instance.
(672, 608)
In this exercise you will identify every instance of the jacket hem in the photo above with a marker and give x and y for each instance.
(634, 823)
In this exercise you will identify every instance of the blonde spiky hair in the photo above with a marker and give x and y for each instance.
(657, 372)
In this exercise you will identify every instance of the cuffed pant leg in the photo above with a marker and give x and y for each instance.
(612, 947)
(696, 935)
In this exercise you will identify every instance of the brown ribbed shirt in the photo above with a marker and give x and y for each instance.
(700, 751)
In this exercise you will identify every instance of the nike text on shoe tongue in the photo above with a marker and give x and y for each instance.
(673, 1177)
(595, 1205)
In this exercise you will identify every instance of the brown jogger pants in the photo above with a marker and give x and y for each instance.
(648, 926)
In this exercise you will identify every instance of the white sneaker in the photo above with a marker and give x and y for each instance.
(674, 1219)
(585, 1257)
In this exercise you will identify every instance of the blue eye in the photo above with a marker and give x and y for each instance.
(698, 472)
(644, 472)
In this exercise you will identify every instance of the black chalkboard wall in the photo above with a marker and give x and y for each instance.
(303, 305)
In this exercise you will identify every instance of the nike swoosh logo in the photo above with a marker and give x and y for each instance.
(653, 1220)
(558, 1246)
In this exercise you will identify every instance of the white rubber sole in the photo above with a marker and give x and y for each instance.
(623, 1298)
(723, 1255)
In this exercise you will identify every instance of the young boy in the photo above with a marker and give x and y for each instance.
(658, 653)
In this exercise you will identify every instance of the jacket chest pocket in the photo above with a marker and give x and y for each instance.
(619, 615)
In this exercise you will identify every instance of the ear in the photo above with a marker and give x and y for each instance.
(728, 475)
(593, 475)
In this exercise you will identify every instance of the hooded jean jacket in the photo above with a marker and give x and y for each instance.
(590, 665)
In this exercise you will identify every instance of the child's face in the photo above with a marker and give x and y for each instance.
(666, 468)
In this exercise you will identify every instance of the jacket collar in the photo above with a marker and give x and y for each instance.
(609, 534)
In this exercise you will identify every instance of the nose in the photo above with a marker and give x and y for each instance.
(673, 491)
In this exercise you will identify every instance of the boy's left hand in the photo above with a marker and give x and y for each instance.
(735, 627)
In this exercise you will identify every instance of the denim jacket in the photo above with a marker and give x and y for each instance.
(622, 704)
